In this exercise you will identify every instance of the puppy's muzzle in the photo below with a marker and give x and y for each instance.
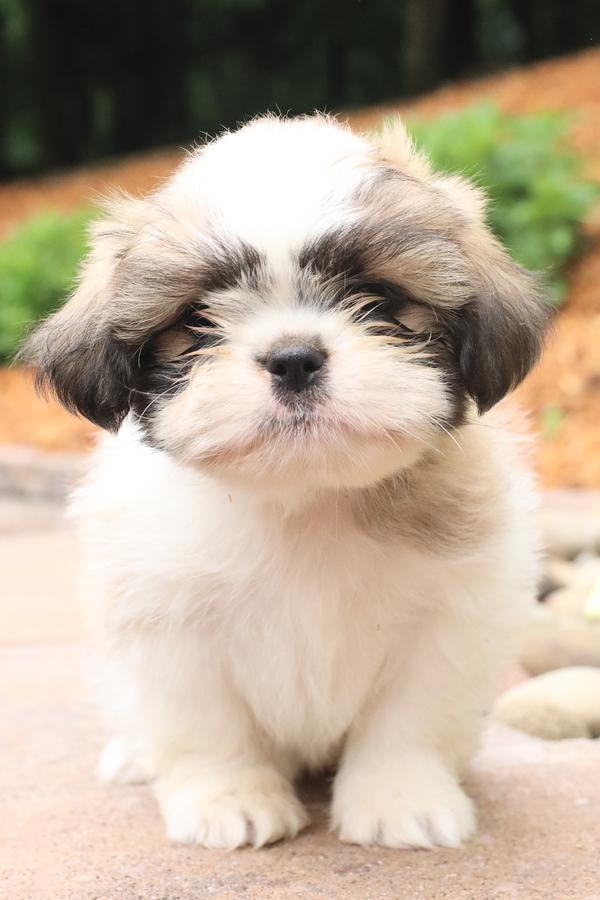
(294, 367)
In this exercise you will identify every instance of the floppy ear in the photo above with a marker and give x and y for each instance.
(76, 355)
(498, 334)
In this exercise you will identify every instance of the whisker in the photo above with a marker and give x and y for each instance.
(158, 397)
(415, 437)
(452, 437)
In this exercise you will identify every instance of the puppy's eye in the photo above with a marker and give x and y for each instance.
(416, 317)
(388, 303)
(195, 330)
(201, 325)
(198, 318)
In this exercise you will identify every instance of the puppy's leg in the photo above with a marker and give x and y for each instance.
(398, 783)
(219, 781)
(228, 803)
(121, 763)
(228, 790)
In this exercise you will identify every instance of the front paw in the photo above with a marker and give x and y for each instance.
(417, 804)
(230, 809)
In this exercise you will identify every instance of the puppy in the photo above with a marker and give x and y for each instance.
(307, 541)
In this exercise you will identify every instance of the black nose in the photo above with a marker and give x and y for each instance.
(295, 367)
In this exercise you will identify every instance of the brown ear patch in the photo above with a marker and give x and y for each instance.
(496, 348)
(90, 372)
(77, 355)
(498, 335)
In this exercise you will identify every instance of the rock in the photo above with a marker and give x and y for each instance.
(558, 573)
(567, 601)
(547, 586)
(26, 472)
(570, 522)
(557, 705)
(579, 598)
(29, 516)
(555, 643)
(572, 588)
(591, 610)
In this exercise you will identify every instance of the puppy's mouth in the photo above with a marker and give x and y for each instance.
(309, 443)
(312, 425)
(308, 413)
(311, 429)
(301, 414)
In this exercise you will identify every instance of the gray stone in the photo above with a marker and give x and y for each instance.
(570, 522)
(575, 599)
(28, 472)
(557, 643)
(17, 515)
(557, 705)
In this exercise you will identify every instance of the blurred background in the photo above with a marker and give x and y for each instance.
(101, 95)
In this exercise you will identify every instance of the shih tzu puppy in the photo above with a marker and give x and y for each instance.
(308, 541)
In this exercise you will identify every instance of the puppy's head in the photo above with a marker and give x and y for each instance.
(296, 305)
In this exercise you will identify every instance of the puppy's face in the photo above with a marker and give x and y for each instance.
(297, 306)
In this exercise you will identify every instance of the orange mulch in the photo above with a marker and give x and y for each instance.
(566, 384)
(27, 419)
(65, 190)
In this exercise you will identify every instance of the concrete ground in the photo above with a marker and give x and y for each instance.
(63, 835)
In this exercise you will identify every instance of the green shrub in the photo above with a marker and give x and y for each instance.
(38, 262)
(538, 196)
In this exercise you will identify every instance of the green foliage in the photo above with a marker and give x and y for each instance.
(83, 80)
(38, 262)
(538, 196)
(551, 419)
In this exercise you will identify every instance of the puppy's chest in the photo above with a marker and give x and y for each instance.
(311, 637)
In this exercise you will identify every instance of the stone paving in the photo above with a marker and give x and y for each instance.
(63, 835)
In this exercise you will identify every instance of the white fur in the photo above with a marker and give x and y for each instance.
(240, 641)
(270, 185)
